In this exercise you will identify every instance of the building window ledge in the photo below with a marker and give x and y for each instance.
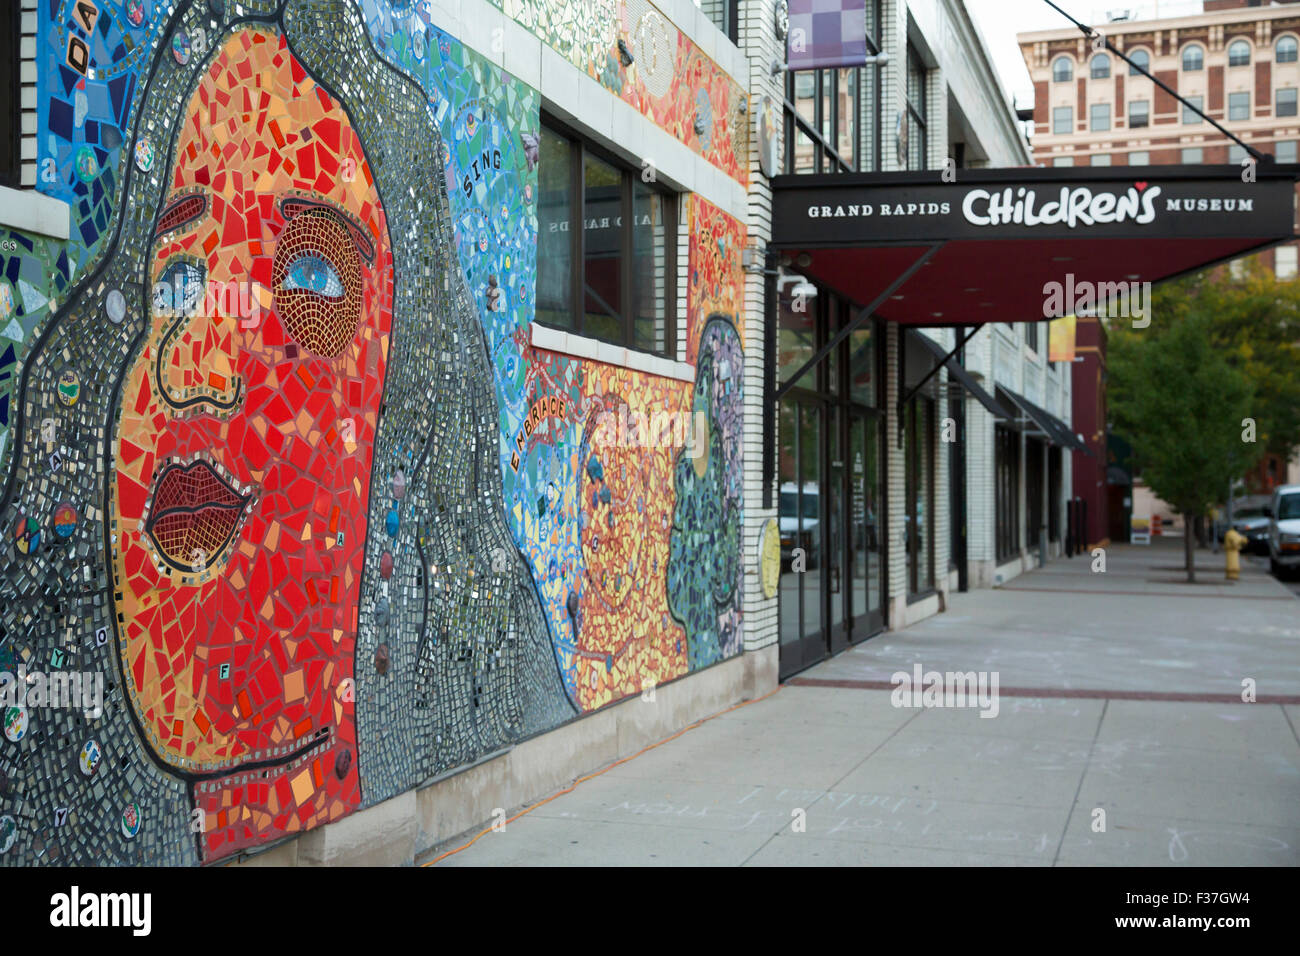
(30, 211)
(919, 596)
(581, 346)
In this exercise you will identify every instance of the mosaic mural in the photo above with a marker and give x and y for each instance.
(283, 472)
(637, 53)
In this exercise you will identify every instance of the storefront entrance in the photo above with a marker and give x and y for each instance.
(830, 483)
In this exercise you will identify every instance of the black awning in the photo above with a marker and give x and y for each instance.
(959, 373)
(1051, 427)
(1022, 245)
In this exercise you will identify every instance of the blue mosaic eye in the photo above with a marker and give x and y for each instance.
(179, 289)
(314, 274)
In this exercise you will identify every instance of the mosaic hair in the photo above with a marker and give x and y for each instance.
(467, 664)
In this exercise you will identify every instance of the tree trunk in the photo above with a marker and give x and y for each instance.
(1188, 553)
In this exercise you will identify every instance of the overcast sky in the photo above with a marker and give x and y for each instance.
(1001, 20)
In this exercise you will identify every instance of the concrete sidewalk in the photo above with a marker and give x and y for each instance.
(1118, 692)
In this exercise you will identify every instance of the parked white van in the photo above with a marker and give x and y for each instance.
(1284, 530)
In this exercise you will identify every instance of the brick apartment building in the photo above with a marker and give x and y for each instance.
(1239, 62)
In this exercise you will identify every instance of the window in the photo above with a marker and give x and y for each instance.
(916, 114)
(724, 14)
(1101, 159)
(1284, 152)
(1140, 158)
(832, 122)
(1031, 333)
(1063, 161)
(13, 118)
(1235, 154)
(919, 530)
(1239, 53)
(613, 278)
(1193, 59)
(1286, 50)
(1193, 156)
(1139, 113)
(1062, 120)
(1286, 101)
(1099, 117)
(1190, 116)
(1100, 67)
(1284, 262)
(1062, 70)
(1238, 106)
(1006, 464)
(1139, 58)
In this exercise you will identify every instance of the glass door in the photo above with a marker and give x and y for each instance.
(864, 580)
(837, 537)
(801, 520)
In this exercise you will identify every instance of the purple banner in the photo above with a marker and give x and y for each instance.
(826, 33)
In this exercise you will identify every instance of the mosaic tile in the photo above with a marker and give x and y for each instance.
(281, 466)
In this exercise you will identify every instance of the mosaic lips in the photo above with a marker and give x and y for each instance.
(194, 515)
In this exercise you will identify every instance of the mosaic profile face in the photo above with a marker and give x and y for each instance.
(245, 431)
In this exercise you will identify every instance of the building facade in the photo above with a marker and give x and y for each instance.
(885, 527)
(1237, 61)
(388, 411)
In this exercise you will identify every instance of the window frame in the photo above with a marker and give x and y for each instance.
(919, 449)
(1196, 119)
(1292, 150)
(579, 148)
(1069, 62)
(1293, 267)
(1144, 58)
(866, 154)
(1145, 114)
(1069, 120)
(1238, 94)
(1006, 493)
(11, 109)
(1293, 53)
(1277, 101)
(1093, 73)
(1092, 118)
(1239, 42)
(1200, 63)
(917, 112)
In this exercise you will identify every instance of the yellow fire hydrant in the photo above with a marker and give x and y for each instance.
(1233, 542)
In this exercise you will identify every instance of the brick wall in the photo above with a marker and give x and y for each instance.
(758, 40)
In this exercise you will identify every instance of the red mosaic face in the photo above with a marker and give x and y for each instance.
(244, 443)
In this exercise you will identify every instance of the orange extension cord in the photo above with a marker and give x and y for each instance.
(592, 776)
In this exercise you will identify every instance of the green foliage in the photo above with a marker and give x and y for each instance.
(1174, 393)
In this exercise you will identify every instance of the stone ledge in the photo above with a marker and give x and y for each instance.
(408, 827)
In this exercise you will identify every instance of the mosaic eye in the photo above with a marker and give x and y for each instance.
(314, 274)
(316, 280)
(178, 289)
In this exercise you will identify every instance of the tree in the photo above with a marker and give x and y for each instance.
(1255, 320)
(1176, 396)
